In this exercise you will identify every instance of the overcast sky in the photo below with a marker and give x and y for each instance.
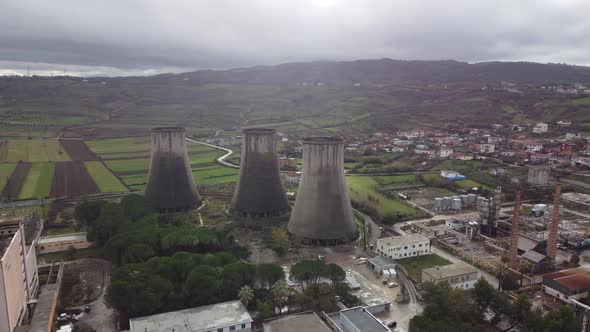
(141, 37)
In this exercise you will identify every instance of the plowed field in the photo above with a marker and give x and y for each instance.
(72, 179)
(78, 150)
(16, 180)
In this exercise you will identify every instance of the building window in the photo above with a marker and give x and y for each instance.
(232, 328)
(220, 330)
(243, 326)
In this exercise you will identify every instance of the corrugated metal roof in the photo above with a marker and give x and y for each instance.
(574, 279)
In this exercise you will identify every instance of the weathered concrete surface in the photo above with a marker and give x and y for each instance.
(322, 214)
(259, 192)
(170, 181)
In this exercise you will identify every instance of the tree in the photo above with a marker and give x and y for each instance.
(335, 273)
(246, 295)
(308, 273)
(266, 309)
(87, 212)
(280, 240)
(202, 286)
(562, 321)
(281, 293)
(110, 220)
(136, 207)
(267, 275)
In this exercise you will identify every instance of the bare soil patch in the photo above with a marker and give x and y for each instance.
(16, 180)
(72, 179)
(78, 150)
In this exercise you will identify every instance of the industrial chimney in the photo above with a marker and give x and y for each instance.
(515, 233)
(552, 241)
(322, 214)
(170, 184)
(259, 192)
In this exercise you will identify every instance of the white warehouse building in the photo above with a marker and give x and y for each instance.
(398, 247)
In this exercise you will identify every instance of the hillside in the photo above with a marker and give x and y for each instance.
(302, 98)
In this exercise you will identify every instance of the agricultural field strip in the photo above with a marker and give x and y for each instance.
(35, 150)
(104, 179)
(6, 170)
(38, 182)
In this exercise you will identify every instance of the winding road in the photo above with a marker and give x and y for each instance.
(221, 160)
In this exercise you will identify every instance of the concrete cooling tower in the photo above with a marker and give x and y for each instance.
(259, 192)
(322, 214)
(170, 184)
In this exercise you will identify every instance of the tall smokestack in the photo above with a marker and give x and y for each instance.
(259, 192)
(170, 184)
(515, 233)
(495, 212)
(552, 241)
(322, 214)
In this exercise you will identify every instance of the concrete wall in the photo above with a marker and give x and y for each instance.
(539, 176)
(259, 192)
(322, 214)
(12, 290)
(58, 246)
(170, 181)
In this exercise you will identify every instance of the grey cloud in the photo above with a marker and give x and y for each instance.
(146, 36)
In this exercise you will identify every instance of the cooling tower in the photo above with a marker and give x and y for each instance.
(259, 192)
(322, 214)
(170, 184)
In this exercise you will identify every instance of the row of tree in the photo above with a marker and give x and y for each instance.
(449, 309)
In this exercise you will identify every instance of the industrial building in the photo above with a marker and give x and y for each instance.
(19, 281)
(457, 275)
(220, 317)
(539, 175)
(567, 284)
(170, 185)
(403, 246)
(354, 320)
(307, 321)
(259, 192)
(322, 214)
(56, 243)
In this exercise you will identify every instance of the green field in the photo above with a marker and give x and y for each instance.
(581, 101)
(397, 180)
(34, 150)
(202, 158)
(363, 190)
(462, 165)
(5, 172)
(128, 165)
(38, 181)
(105, 180)
(415, 265)
(468, 184)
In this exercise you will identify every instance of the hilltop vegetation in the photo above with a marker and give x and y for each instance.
(300, 98)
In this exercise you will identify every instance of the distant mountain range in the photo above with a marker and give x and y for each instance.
(388, 71)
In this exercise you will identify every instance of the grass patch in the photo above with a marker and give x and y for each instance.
(581, 101)
(70, 255)
(128, 165)
(38, 181)
(35, 150)
(215, 174)
(415, 265)
(363, 190)
(105, 180)
(5, 172)
(468, 184)
(119, 145)
(396, 180)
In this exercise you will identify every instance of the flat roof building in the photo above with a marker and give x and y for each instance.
(457, 275)
(219, 317)
(56, 243)
(354, 320)
(403, 246)
(308, 322)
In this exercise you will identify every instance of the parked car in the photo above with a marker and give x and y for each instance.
(392, 285)
(392, 324)
(87, 308)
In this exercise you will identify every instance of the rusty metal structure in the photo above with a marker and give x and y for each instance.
(322, 214)
(515, 234)
(170, 185)
(259, 192)
(553, 227)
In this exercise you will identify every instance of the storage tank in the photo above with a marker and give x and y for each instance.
(259, 192)
(438, 204)
(322, 214)
(170, 185)
(457, 204)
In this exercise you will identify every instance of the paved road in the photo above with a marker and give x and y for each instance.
(576, 183)
(375, 230)
(221, 159)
